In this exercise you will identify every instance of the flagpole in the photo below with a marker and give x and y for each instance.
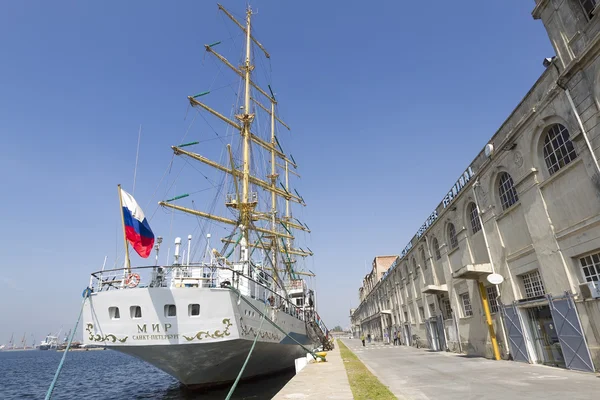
(127, 265)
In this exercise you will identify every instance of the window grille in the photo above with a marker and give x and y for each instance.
(436, 248)
(432, 309)
(590, 266)
(452, 236)
(422, 313)
(492, 295)
(588, 6)
(447, 308)
(558, 148)
(474, 216)
(506, 190)
(466, 302)
(534, 287)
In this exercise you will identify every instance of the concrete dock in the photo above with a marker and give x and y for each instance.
(323, 380)
(421, 374)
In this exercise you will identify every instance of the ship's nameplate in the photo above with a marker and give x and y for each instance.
(156, 337)
(143, 329)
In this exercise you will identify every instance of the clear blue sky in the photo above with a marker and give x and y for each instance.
(389, 102)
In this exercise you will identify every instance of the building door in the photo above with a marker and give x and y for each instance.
(428, 333)
(514, 330)
(545, 338)
(407, 336)
(440, 333)
(570, 334)
(432, 334)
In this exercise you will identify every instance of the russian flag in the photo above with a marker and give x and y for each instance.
(137, 229)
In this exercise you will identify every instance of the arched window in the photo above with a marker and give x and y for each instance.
(452, 239)
(423, 258)
(415, 268)
(588, 7)
(474, 218)
(436, 248)
(558, 148)
(506, 191)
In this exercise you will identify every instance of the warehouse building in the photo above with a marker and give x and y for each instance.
(519, 230)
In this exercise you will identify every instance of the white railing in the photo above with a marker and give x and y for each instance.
(195, 276)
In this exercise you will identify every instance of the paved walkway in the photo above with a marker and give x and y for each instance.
(326, 380)
(420, 374)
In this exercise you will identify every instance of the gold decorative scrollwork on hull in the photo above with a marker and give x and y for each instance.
(246, 331)
(99, 338)
(215, 335)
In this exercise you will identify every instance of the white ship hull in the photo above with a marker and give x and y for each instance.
(204, 350)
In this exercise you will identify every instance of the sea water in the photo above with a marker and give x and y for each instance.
(105, 374)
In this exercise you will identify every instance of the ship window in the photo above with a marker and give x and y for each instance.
(113, 313)
(170, 310)
(135, 311)
(194, 310)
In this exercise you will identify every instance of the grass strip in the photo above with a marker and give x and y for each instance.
(363, 383)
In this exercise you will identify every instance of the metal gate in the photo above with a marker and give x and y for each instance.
(570, 334)
(407, 336)
(429, 336)
(441, 333)
(516, 338)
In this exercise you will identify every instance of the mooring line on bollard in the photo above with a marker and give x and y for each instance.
(85, 294)
(237, 380)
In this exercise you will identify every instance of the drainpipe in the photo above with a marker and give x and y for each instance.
(476, 184)
(579, 122)
(450, 292)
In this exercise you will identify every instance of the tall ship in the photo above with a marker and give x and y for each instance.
(199, 320)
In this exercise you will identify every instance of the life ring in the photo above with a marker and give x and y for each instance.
(132, 280)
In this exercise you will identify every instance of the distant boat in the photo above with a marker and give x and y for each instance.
(50, 343)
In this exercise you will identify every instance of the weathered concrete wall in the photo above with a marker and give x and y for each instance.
(554, 223)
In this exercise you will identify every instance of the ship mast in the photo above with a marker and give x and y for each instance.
(246, 207)
(273, 177)
(246, 201)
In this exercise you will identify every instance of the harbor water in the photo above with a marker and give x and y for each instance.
(105, 374)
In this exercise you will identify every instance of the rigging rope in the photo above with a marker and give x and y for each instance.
(85, 294)
(273, 323)
(247, 357)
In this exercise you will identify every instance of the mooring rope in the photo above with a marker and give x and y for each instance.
(85, 294)
(247, 357)
(274, 324)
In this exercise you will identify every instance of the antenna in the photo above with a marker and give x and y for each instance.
(176, 253)
(137, 153)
